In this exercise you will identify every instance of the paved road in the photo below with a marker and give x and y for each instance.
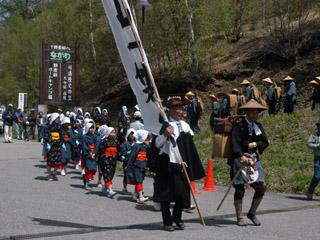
(33, 208)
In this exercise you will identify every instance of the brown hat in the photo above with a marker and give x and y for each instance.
(190, 94)
(245, 82)
(267, 80)
(253, 104)
(235, 91)
(314, 82)
(176, 101)
(288, 78)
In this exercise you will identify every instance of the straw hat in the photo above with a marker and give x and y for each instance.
(235, 91)
(212, 96)
(245, 82)
(190, 94)
(318, 78)
(313, 82)
(288, 78)
(267, 80)
(253, 104)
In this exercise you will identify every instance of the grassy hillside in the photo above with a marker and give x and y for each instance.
(287, 161)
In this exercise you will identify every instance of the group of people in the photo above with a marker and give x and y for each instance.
(94, 147)
(25, 122)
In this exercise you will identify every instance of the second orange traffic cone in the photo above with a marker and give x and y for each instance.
(209, 183)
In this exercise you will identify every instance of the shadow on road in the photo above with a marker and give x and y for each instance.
(76, 177)
(301, 198)
(40, 166)
(42, 178)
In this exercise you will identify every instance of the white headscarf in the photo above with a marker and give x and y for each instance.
(103, 130)
(87, 115)
(130, 131)
(65, 120)
(141, 136)
(54, 116)
(88, 126)
(109, 130)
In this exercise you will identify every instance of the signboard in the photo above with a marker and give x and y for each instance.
(22, 100)
(60, 69)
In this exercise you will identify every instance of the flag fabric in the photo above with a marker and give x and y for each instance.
(135, 63)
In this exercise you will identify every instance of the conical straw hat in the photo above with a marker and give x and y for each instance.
(212, 96)
(190, 94)
(318, 78)
(235, 91)
(245, 82)
(253, 104)
(267, 80)
(314, 82)
(288, 78)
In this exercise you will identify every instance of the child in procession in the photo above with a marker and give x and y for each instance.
(108, 154)
(126, 149)
(137, 164)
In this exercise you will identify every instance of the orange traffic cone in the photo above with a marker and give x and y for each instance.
(193, 185)
(209, 183)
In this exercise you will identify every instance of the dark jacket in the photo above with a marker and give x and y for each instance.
(8, 118)
(240, 139)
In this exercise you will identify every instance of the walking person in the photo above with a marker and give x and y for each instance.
(40, 125)
(53, 143)
(8, 116)
(25, 123)
(126, 150)
(175, 143)
(137, 164)
(248, 141)
(32, 119)
(314, 144)
(290, 99)
(89, 163)
(108, 153)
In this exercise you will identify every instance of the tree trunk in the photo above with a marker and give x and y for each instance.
(191, 50)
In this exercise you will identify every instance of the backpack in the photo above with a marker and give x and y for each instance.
(256, 95)
(277, 92)
(200, 106)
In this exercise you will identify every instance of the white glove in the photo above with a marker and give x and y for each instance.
(41, 141)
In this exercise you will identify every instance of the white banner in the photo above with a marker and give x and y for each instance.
(22, 98)
(135, 63)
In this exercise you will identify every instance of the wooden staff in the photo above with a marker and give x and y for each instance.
(157, 97)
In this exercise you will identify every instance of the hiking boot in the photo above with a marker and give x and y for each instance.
(253, 209)
(238, 208)
(309, 196)
(241, 222)
(168, 228)
(180, 225)
(254, 219)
